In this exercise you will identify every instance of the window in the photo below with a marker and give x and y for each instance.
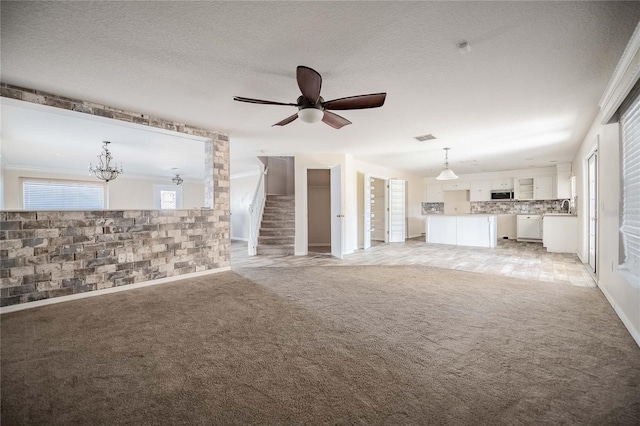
(41, 194)
(167, 197)
(630, 217)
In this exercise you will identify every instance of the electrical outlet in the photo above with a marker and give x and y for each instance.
(129, 257)
(122, 257)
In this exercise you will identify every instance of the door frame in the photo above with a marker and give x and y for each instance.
(593, 153)
(306, 204)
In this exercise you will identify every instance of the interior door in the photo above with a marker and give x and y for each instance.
(592, 175)
(367, 211)
(337, 217)
(396, 210)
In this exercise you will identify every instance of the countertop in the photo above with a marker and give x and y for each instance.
(464, 214)
(560, 214)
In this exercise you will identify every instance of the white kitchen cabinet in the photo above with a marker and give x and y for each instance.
(543, 188)
(534, 188)
(529, 227)
(480, 190)
(503, 184)
(434, 193)
(560, 233)
(455, 186)
(465, 230)
(563, 181)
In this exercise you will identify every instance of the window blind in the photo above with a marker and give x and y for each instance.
(62, 195)
(630, 221)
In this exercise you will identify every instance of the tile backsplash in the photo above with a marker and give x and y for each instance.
(502, 207)
(517, 207)
(432, 208)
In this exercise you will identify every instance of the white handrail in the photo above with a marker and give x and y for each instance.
(256, 208)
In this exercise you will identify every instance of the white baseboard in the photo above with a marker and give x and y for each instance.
(625, 320)
(246, 240)
(53, 300)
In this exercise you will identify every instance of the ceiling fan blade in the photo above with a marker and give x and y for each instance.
(286, 120)
(334, 120)
(373, 100)
(259, 101)
(309, 82)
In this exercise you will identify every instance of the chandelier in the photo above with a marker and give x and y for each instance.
(104, 170)
(177, 180)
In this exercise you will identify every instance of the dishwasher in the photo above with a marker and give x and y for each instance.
(529, 227)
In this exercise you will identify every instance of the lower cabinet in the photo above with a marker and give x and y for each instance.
(560, 233)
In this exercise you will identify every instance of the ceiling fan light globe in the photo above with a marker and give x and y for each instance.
(447, 174)
(311, 115)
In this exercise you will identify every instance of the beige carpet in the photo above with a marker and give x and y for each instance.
(325, 345)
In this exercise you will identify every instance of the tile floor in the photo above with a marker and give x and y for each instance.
(510, 258)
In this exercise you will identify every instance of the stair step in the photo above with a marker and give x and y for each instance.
(275, 250)
(281, 197)
(286, 232)
(279, 240)
(271, 217)
(278, 224)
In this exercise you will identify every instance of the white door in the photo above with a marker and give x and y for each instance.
(337, 218)
(592, 174)
(396, 210)
(367, 211)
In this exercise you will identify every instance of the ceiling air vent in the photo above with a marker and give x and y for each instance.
(424, 138)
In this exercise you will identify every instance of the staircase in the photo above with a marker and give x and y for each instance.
(277, 229)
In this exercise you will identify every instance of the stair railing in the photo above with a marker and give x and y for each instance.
(256, 209)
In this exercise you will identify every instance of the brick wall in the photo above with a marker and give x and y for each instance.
(47, 254)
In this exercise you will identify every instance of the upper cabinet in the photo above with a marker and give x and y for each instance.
(543, 188)
(534, 188)
(563, 181)
(480, 190)
(434, 193)
(504, 184)
(455, 186)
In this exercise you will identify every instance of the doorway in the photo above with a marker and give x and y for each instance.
(592, 207)
(319, 211)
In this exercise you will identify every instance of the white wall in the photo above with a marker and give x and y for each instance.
(622, 292)
(125, 193)
(242, 189)
(303, 162)
(416, 192)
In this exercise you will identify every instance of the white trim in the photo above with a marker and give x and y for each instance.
(54, 300)
(624, 77)
(625, 320)
(246, 240)
(245, 174)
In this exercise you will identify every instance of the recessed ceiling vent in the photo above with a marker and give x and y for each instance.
(424, 138)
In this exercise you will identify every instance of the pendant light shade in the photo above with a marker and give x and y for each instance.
(446, 173)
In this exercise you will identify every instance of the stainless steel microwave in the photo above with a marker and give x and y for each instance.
(502, 195)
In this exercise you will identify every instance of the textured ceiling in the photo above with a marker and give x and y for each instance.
(523, 96)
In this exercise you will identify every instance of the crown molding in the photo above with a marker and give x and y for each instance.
(624, 77)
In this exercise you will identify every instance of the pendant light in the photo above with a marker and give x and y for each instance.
(446, 173)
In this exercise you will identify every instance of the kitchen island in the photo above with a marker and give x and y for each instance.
(478, 230)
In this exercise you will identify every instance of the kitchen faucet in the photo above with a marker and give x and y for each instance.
(568, 205)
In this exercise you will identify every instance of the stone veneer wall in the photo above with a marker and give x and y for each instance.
(56, 253)
(36, 248)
